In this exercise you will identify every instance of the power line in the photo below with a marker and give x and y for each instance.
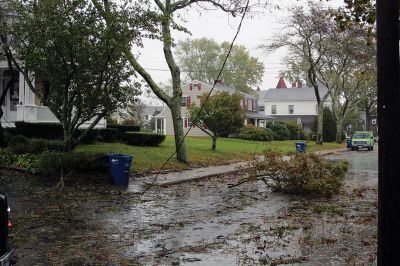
(207, 98)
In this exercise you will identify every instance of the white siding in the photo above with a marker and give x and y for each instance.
(300, 108)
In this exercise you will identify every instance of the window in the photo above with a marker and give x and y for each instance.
(183, 102)
(261, 108)
(291, 109)
(273, 109)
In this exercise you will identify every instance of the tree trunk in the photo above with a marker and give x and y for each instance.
(320, 124)
(339, 125)
(2, 141)
(367, 119)
(214, 142)
(68, 140)
(178, 130)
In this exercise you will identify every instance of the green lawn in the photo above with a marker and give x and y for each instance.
(199, 151)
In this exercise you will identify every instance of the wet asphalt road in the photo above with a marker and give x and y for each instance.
(207, 223)
(197, 223)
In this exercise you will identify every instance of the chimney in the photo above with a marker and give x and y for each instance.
(258, 88)
(294, 85)
(299, 84)
(219, 81)
(281, 84)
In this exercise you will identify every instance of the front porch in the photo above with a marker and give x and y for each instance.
(257, 119)
(21, 104)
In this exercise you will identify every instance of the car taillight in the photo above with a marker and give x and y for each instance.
(9, 224)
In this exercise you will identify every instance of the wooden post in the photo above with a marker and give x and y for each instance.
(389, 130)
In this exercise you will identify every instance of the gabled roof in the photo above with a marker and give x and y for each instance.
(281, 84)
(151, 109)
(225, 88)
(292, 94)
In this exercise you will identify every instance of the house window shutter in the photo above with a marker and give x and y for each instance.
(190, 86)
(185, 122)
(188, 102)
(205, 126)
(199, 86)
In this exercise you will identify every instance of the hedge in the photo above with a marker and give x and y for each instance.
(124, 128)
(19, 145)
(40, 130)
(143, 139)
(55, 131)
(51, 163)
(251, 132)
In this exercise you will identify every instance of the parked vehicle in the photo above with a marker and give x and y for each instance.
(362, 139)
(5, 223)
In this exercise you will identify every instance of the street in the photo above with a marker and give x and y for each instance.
(196, 223)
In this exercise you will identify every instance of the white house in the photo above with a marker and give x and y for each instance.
(297, 103)
(21, 104)
(190, 93)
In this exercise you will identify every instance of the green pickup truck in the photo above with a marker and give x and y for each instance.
(362, 139)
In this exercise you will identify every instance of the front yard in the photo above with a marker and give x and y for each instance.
(199, 150)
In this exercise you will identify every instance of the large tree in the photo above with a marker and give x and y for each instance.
(73, 61)
(201, 59)
(165, 14)
(345, 69)
(219, 115)
(305, 39)
(6, 56)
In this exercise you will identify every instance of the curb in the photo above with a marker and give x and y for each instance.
(197, 178)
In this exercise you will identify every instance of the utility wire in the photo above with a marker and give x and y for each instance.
(203, 105)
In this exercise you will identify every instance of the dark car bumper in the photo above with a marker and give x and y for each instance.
(5, 260)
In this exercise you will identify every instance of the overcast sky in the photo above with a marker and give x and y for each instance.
(221, 27)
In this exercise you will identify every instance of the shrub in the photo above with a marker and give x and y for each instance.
(20, 145)
(251, 132)
(124, 128)
(294, 128)
(303, 173)
(40, 130)
(7, 157)
(55, 131)
(281, 132)
(107, 134)
(51, 163)
(329, 126)
(143, 139)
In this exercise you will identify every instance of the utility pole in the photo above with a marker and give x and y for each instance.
(389, 128)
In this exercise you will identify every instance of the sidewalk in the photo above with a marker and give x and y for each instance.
(203, 172)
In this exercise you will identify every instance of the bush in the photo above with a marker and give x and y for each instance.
(55, 131)
(281, 132)
(51, 163)
(329, 126)
(251, 132)
(20, 145)
(7, 157)
(143, 139)
(303, 173)
(40, 130)
(293, 128)
(124, 128)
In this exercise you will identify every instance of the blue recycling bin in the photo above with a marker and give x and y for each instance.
(348, 142)
(120, 165)
(301, 146)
